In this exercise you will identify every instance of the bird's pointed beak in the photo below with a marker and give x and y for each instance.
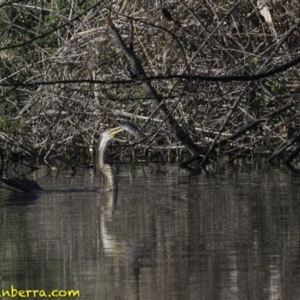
(115, 131)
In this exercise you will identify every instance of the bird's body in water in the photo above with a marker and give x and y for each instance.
(110, 183)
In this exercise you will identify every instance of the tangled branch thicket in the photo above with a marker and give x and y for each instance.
(64, 77)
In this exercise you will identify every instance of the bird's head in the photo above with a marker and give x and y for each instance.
(110, 133)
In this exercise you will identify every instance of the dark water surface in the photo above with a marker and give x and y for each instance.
(168, 234)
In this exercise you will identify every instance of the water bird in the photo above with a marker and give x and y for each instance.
(110, 183)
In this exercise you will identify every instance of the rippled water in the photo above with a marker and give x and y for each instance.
(167, 234)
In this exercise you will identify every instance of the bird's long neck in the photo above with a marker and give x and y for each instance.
(103, 168)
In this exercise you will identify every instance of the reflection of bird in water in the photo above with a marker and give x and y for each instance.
(28, 186)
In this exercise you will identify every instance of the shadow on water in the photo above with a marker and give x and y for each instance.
(166, 235)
